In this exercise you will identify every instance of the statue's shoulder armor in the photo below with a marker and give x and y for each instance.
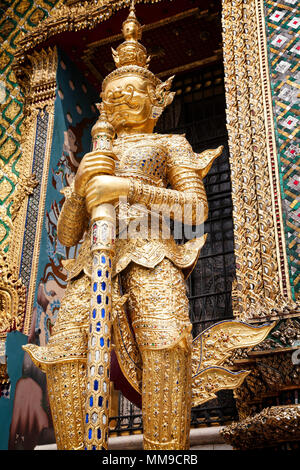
(181, 154)
(179, 151)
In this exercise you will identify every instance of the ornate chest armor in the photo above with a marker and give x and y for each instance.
(153, 162)
(145, 160)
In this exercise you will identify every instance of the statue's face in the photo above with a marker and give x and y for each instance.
(127, 102)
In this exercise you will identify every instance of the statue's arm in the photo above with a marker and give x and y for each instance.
(185, 174)
(187, 197)
(73, 218)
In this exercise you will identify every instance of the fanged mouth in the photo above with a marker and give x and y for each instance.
(126, 103)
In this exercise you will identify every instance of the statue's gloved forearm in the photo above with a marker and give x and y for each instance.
(187, 200)
(73, 219)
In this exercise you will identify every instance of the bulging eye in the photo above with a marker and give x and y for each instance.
(129, 88)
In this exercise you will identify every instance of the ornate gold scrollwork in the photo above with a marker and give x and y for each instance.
(262, 275)
(12, 299)
(211, 349)
(25, 187)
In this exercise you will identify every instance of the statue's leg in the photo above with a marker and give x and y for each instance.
(166, 398)
(158, 307)
(66, 384)
(64, 362)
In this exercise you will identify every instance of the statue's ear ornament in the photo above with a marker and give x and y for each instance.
(156, 112)
(115, 56)
(162, 94)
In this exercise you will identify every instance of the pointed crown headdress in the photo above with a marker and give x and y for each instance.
(131, 52)
(130, 57)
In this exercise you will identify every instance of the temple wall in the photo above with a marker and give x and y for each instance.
(282, 27)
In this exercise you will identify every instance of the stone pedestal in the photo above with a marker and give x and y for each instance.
(209, 438)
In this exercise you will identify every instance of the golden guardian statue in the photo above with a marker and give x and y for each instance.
(139, 304)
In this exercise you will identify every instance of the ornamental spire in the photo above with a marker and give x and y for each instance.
(131, 52)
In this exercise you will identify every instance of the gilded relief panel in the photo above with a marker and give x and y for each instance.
(18, 17)
(262, 289)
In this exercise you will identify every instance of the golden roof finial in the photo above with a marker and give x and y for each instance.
(131, 52)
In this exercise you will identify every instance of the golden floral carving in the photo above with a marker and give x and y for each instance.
(211, 349)
(213, 379)
(12, 298)
(274, 374)
(42, 78)
(214, 345)
(25, 187)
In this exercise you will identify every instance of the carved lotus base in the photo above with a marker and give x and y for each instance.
(269, 428)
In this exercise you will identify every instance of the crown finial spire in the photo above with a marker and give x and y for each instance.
(132, 6)
(131, 52)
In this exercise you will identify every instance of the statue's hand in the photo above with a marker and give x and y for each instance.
(105, 189)
(91, 165)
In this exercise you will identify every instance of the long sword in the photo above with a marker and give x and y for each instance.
(97, 405)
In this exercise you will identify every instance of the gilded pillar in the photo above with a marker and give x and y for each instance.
(39, 111)
(267, 401)
(262, 284)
